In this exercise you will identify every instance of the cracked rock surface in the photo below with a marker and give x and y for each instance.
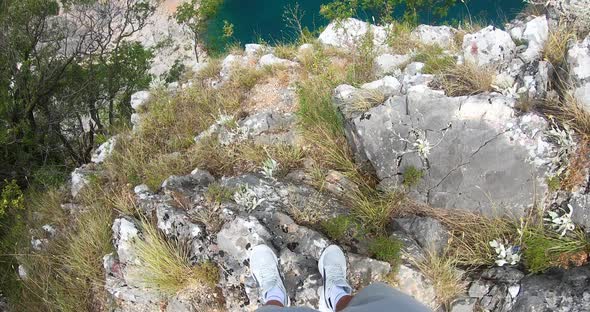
(474, 151)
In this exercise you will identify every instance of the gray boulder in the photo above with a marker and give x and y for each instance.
(386, 64)
(455, 141)
(536, 33)
(581, 210)
(104, 150)
(140, 99)
(489, 46)
(557, 291)
(430, 233)
(349, 32)
(578, 58)
(443, 36)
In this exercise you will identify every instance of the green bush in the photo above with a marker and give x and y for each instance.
(12, 198)
(386, 249)
(544, 249)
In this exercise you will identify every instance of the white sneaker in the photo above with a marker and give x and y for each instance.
(265, 269)
(332, 267)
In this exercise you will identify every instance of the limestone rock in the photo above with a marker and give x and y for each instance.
(386, 64)
(387, 85)
(415, 284)
(464, 137)
(559, 291)
(139, 100)
(104, 150)
(125, 232)
(349, 32)
(536, 33)
(443, 36)
(428, 232)
(582, 95)
(489, 46)
(578, 58)
(272, 60)
(581, 210)
(80, 178)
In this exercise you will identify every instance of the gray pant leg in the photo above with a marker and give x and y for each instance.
(379, 297)
(279, 309)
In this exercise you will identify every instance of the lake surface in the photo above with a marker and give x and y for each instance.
(263, 19)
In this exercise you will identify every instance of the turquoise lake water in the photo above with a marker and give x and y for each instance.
(263, 19)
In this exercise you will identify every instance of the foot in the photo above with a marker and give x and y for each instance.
(332, 267)
(265, 269)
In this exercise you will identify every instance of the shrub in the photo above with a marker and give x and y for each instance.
(412, 176)
(12, 198)
(386, 249)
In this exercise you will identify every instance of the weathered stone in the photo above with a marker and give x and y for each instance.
(578, 58)
(581, 210)
(557, 291)
(536, 33)
(139, 100)
(272, 60)
(254, 49)
(479, 288)
(387, 85)
(503, 274)
(428, 232)
(582, 95)
(414, 68)
(443, 36)
(463, 137)
(80, 178)
(229, 62)
(464, 305)
(104, 150)
(488, 46)
(386, 64)
(125, 232)
(176, 224)
(349, 33)
(415, 284)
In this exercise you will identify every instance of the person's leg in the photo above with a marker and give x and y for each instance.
(336, 292)
(265, 269)
(381, 297)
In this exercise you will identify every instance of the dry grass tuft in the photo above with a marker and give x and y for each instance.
(442, 271)
(575, 176)
(467, 79)
(471, 234)
(165, 265)
(556, 46)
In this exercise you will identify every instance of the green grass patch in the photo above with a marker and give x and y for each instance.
(386, 249)
(434, 59)
(544, 249)
(412, 176)
(337, 228)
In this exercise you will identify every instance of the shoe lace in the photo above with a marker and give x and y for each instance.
(336, 275)
(268, 277)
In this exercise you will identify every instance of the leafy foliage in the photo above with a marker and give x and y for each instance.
(55, 100)
(195, 14)
(383, 10)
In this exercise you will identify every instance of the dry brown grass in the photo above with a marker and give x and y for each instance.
(471, 234)
(579, 164)
(568, 111)
(467, 79)
(448, 281)
(556, 46)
